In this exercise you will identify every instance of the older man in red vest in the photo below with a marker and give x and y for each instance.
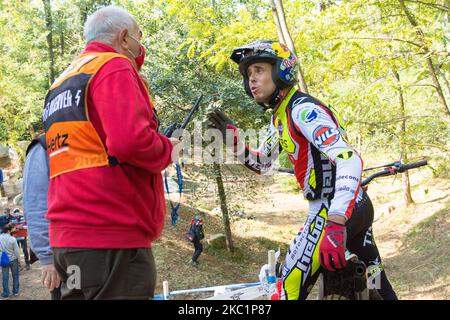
(106, 198)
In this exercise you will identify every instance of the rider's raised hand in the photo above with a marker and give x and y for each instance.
(218, 120)
(332, 247)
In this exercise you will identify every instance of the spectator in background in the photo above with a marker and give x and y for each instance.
(21, 234)
(8, 244)
(35, 188)
(5, 218)
(195, 234)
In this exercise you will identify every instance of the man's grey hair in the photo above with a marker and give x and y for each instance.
(104, 24)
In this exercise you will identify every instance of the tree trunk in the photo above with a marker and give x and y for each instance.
(402, 134)
(430, 65)
(447, 84)
(49, 26)
(277, 23)
(437, 85)
(280, 22)
(447, 16)
(223, 206)
(358, 141)
(61, 41)
(406, 185)
(83, 14)
(444, 78)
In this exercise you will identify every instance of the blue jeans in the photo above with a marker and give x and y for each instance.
(23, 243)
(14, 266)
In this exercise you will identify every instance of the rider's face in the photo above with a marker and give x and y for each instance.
(260, 81)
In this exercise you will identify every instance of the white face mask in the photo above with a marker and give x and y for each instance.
(131, 52)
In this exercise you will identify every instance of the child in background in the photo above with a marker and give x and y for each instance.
(195, 234)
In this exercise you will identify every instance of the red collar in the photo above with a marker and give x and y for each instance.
(95, 46)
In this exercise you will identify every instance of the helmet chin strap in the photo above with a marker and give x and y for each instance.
(274, 99)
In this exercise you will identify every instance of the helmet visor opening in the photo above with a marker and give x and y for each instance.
(243, 66)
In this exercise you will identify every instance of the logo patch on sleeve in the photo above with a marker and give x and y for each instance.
(345, 155)
(325, 136)
(309, 115)
(306, 112)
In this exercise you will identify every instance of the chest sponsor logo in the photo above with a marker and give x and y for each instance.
(57, 144)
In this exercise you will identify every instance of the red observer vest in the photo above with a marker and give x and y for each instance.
(72, 141)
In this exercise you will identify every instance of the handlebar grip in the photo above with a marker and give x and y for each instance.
(418, 164)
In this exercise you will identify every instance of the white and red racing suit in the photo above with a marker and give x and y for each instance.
(325, 164)
(328, 170)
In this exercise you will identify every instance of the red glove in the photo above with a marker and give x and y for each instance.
(332, 247)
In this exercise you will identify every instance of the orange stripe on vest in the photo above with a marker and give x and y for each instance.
(72, 141)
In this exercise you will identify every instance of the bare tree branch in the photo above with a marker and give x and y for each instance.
(382, 123)
(379, 38)
(277, 22)
(429, 145)
(280, 21)
(383, 18)
(412, 20)
(421, 85)
(433, 5)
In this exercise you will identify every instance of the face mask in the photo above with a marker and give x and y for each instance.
(139, 60)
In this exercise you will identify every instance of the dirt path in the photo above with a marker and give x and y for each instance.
(414, 241)
(30, 284)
